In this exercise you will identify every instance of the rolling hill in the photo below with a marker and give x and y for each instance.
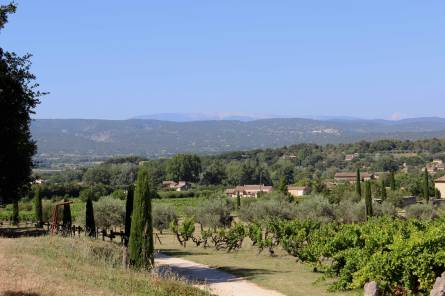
(157, 138)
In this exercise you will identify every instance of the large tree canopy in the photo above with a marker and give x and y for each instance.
(18, 97)
(184, 167)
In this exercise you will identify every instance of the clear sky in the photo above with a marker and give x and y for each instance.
(119, 59)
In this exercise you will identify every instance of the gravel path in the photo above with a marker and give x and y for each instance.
(218, 282)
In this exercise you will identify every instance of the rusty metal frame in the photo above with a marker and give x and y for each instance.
(54, 227)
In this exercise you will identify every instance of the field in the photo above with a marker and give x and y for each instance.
(281, 272)
(63, 266)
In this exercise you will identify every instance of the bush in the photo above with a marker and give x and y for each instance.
(421, 211)
(213, 212)
(163, 216)
(387, 209)
(119, 194)
(108, 212)
(176, 194)
(261, 210)
(349, 211)
(316, 208)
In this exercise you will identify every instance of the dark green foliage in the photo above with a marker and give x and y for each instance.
(53, 188)
(214, 174)
(184, 167)
(437, 193)
(238, 201)
(38, 207)
(383, 192)
(66, 216)
(15, 212)
(392, 181)
(402, 255)
(95, 192)
(426, 191)
(141, 234)
(128, 211)
(358, 187)
(368, 199)
(282, 185)
(4, 11)
(18, 98)
(90, 225)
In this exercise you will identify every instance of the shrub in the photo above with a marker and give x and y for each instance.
(388, 209)
(261, 210)
(348, 211)
(176, 194)
(163, 215)
(108, 212)
(316, 208)
(214, 212)
(420, 211)
(119, 194)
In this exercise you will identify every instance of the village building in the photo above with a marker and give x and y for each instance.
(178, 186)
(440, 185)
(352, 176)
(248, 190)
(351, 157)
(298, 190)
(435, 166)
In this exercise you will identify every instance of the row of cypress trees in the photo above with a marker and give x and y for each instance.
(368, 193)
(138, 220)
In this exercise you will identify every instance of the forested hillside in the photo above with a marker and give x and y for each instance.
(155, 138)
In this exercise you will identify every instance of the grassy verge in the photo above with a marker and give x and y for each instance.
(281, 272)
(63, 266)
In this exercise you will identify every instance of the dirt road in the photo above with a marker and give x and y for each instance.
(218, 282)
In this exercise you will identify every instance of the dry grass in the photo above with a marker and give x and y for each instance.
(64, 266)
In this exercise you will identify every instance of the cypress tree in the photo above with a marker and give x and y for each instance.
(368, 199)
(384, 194)
(128, 212)
(15, 213)
(38, 207)
(426, 191)
(392, 181)
(358, 187)
(437, 193)
(90, 224)
(67, 220)
(238, 201)
(141, 234)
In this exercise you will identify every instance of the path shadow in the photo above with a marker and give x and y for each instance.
(207, 275)
(15, 232)
(247, 273)
(19, 293)
(179, 253)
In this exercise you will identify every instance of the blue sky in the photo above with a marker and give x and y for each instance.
(119, 59)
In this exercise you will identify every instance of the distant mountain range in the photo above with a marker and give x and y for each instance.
(157, 138)
(188, 117)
